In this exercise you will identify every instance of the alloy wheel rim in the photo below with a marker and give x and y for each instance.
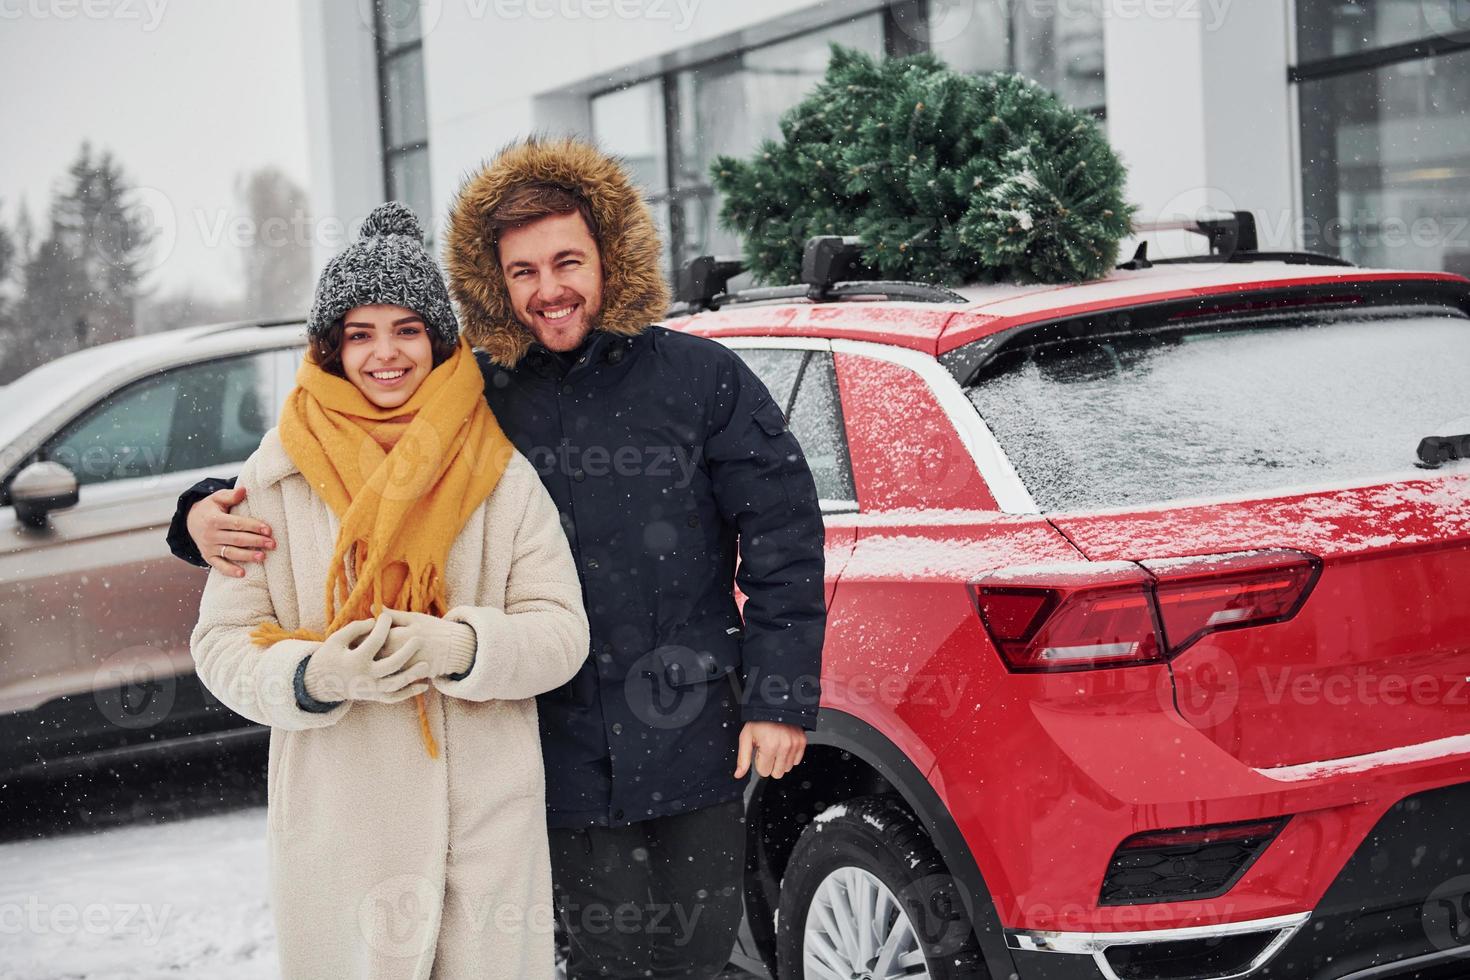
(856, 930)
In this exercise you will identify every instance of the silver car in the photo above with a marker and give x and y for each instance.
(95, 614)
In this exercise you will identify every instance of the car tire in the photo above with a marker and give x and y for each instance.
(869, 858)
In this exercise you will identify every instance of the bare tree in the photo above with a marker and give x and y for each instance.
(184, 309)
(278, 278)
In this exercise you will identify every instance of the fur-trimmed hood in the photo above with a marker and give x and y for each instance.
(634, 293)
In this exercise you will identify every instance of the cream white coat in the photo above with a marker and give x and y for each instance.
(384, 862)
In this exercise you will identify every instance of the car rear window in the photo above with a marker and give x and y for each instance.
(1228, 408)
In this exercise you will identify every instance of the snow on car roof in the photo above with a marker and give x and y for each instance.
(936, 327)
(32, 394)
(28, 399)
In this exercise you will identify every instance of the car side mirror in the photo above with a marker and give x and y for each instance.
(41, 488)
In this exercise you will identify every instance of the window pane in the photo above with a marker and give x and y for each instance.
(703, 234)
(126, 437)
(1058, 44)
(971, 36)
(1142, 419)
(408, 181)
(1061, 46)
(224, 408)
(816, 421)
(403, 77)
(398, 22)
(1333, 27)
(243, 393)
(730, 105)
(189, 418)
(777, 370)
(630, 123)
(1386, 158)
(778, 76)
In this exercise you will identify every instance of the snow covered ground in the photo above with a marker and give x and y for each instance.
(185, 898)
(137, 888)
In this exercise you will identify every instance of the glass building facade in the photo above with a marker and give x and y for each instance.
(671, 126)
(1384, 95)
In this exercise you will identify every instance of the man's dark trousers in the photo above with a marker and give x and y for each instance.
(605, 877)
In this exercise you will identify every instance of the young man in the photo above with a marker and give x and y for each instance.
(666, 458)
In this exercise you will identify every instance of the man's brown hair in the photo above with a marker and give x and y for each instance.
(534, 201)
(326, 351)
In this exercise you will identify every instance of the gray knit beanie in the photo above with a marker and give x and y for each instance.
(386, 264)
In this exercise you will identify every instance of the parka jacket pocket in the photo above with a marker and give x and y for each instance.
(772, 422)
(680, 682)
(708, 659)
(770, 418)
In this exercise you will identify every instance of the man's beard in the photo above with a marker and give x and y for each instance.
(593, 322)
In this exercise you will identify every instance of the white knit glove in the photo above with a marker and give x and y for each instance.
(443, 646)
(340, 671)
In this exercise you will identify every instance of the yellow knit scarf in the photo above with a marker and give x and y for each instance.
(401, 508)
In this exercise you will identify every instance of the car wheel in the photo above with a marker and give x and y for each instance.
(865, 896)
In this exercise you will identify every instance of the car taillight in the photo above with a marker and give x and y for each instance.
(1109, 614)
(1201, 596)
(1072, 618)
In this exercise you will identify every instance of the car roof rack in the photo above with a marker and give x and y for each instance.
(1232, 237)
(831, 269)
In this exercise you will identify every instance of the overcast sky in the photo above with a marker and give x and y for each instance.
(185, 93)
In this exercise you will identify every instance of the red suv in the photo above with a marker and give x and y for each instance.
(1149, 647)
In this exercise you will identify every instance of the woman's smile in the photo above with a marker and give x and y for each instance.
(388, 377)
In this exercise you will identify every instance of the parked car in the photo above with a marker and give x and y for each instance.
(95, 614)
(1149, 651)
(1147, 648)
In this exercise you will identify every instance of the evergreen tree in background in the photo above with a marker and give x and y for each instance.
(8, 256)
(106, 243)
(24, 235)
(948, 178)
(7, 262)
(48, 311)
(82, 281)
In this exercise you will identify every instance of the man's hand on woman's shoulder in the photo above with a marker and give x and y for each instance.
(223, 538)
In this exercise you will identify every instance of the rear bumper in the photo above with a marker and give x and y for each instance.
(1104, 947)
(1404, 895)
(1399, 909)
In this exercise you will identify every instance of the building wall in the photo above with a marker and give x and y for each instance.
(1199, 96)
(498, 69)
(341, 120)
(1200, 108)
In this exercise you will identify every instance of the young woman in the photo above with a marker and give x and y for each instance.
(420, 595)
